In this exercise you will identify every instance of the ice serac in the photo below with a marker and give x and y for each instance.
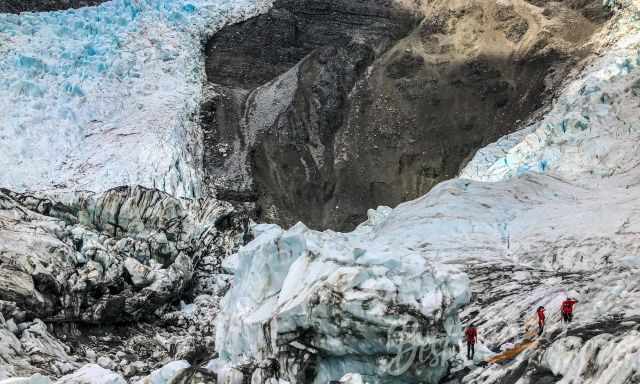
(322, 304)
(108, 258)
(89, 374)
(105, 96)
(93, 374)
(167, 373)
(122, 259)
(549, 212)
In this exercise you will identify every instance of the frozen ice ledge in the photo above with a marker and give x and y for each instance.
(564, 196)
(105, 96)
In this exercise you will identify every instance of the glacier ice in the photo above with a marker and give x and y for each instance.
(352, 378)
(35, 379)
(166, 373)
(104, 96)
(94, 374)
(549, 211)
(343, 296)
(284, 287)
(112, 258)
(588, 131)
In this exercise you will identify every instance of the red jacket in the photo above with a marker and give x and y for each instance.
(540, 314)
(567, 306)
(471, 333)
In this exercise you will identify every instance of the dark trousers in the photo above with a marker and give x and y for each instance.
(540, 327)
(567, 317)
(470, 350)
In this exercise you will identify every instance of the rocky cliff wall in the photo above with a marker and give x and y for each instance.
(321, 110)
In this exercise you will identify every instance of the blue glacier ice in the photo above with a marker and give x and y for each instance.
(107, 95)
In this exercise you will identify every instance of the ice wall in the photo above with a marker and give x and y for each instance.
(340, 303)
(108, 95)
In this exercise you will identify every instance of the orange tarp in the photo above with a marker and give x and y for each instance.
(531, 327)
(513, 352)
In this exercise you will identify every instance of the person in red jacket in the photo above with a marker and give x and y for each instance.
(471, 335)
(567, 309)
(541, 318)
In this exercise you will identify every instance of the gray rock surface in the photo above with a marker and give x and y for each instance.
(292, 30)
(320, 110)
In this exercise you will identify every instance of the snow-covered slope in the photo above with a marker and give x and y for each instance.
(550, 211)
(105, 96)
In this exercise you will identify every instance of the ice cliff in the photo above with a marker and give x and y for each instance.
(549, 211)
(108, 95)
(299, 294)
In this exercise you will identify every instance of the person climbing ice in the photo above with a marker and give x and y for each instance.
(567, 309)
(541, 318)
(471, 335)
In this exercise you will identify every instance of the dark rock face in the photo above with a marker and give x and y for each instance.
(251, 53)
(316, 114)
(321, 110)
(18, 6)
(244, 157)
(592, 10)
